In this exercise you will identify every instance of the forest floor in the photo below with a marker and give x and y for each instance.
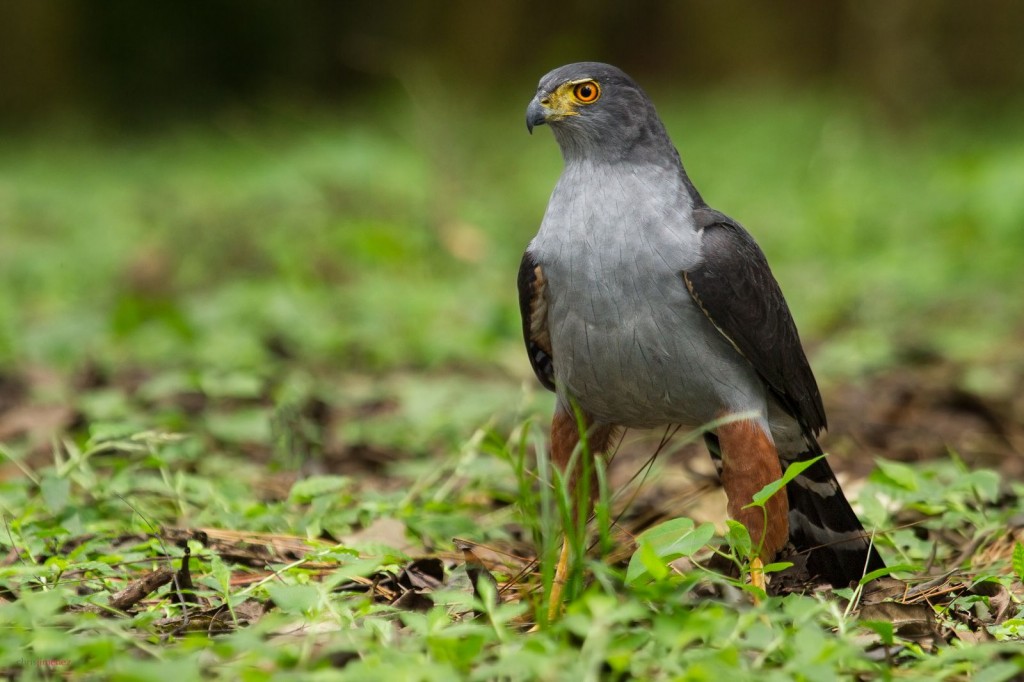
(264, 411)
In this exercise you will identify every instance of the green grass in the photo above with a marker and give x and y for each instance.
(107, 499)
(220, 306)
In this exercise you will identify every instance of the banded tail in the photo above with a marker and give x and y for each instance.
(824, 528)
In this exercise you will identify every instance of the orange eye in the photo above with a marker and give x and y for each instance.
(587, 92)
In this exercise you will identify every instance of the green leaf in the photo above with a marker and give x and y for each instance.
(792, 471)
(316, 486)
(889, 570)
(651, 561)
(689, 543)
(666, 533)
(360, 568)
(882, 628)
(221, 573)
(1018, 560)
(984, 482)
(297, 600)
(998, 671)
(896, 475)
(55, 492)
(664, 543)
(231, 385)
(645, 562)
(248, 425)
(738, 538)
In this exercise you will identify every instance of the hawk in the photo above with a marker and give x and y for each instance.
(642, 306)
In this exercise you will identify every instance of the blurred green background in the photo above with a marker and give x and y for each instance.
(264, 200)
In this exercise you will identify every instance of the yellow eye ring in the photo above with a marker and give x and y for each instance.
(587, 92)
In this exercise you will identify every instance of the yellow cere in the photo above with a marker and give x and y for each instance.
(564, 100)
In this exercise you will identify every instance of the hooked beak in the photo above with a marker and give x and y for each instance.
(536, 115)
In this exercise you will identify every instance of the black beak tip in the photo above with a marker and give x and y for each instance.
(536, 115)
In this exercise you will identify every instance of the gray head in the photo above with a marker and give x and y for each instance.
(596, 111)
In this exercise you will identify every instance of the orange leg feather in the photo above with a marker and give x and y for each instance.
(749, 463)
(565, 436)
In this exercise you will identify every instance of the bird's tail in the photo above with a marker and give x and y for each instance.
(824, 528)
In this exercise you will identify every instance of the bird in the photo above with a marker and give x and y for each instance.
(644, 307)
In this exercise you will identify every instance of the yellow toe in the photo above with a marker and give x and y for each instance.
(558, 585)
(757, 576)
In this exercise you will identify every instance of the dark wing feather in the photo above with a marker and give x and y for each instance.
(736, 290)
(533, 307)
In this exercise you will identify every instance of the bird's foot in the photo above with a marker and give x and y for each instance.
(558, 584)
(757, 577)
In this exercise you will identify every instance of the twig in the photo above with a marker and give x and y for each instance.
(139, 589)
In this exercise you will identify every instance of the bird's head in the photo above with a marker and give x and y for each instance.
(595, 110)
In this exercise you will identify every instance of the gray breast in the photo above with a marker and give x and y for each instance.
(628, 341)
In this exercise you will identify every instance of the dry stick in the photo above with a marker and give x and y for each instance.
(186, 612)
(939, 580)
(139, 589)
(528, 564)
(476, 570)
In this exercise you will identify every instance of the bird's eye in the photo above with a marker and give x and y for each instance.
(587, 92)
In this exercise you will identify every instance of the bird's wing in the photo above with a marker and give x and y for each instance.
(735, 288)
(533, 306)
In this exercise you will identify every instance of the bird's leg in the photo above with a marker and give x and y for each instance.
(749, 463)
(565, 437)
